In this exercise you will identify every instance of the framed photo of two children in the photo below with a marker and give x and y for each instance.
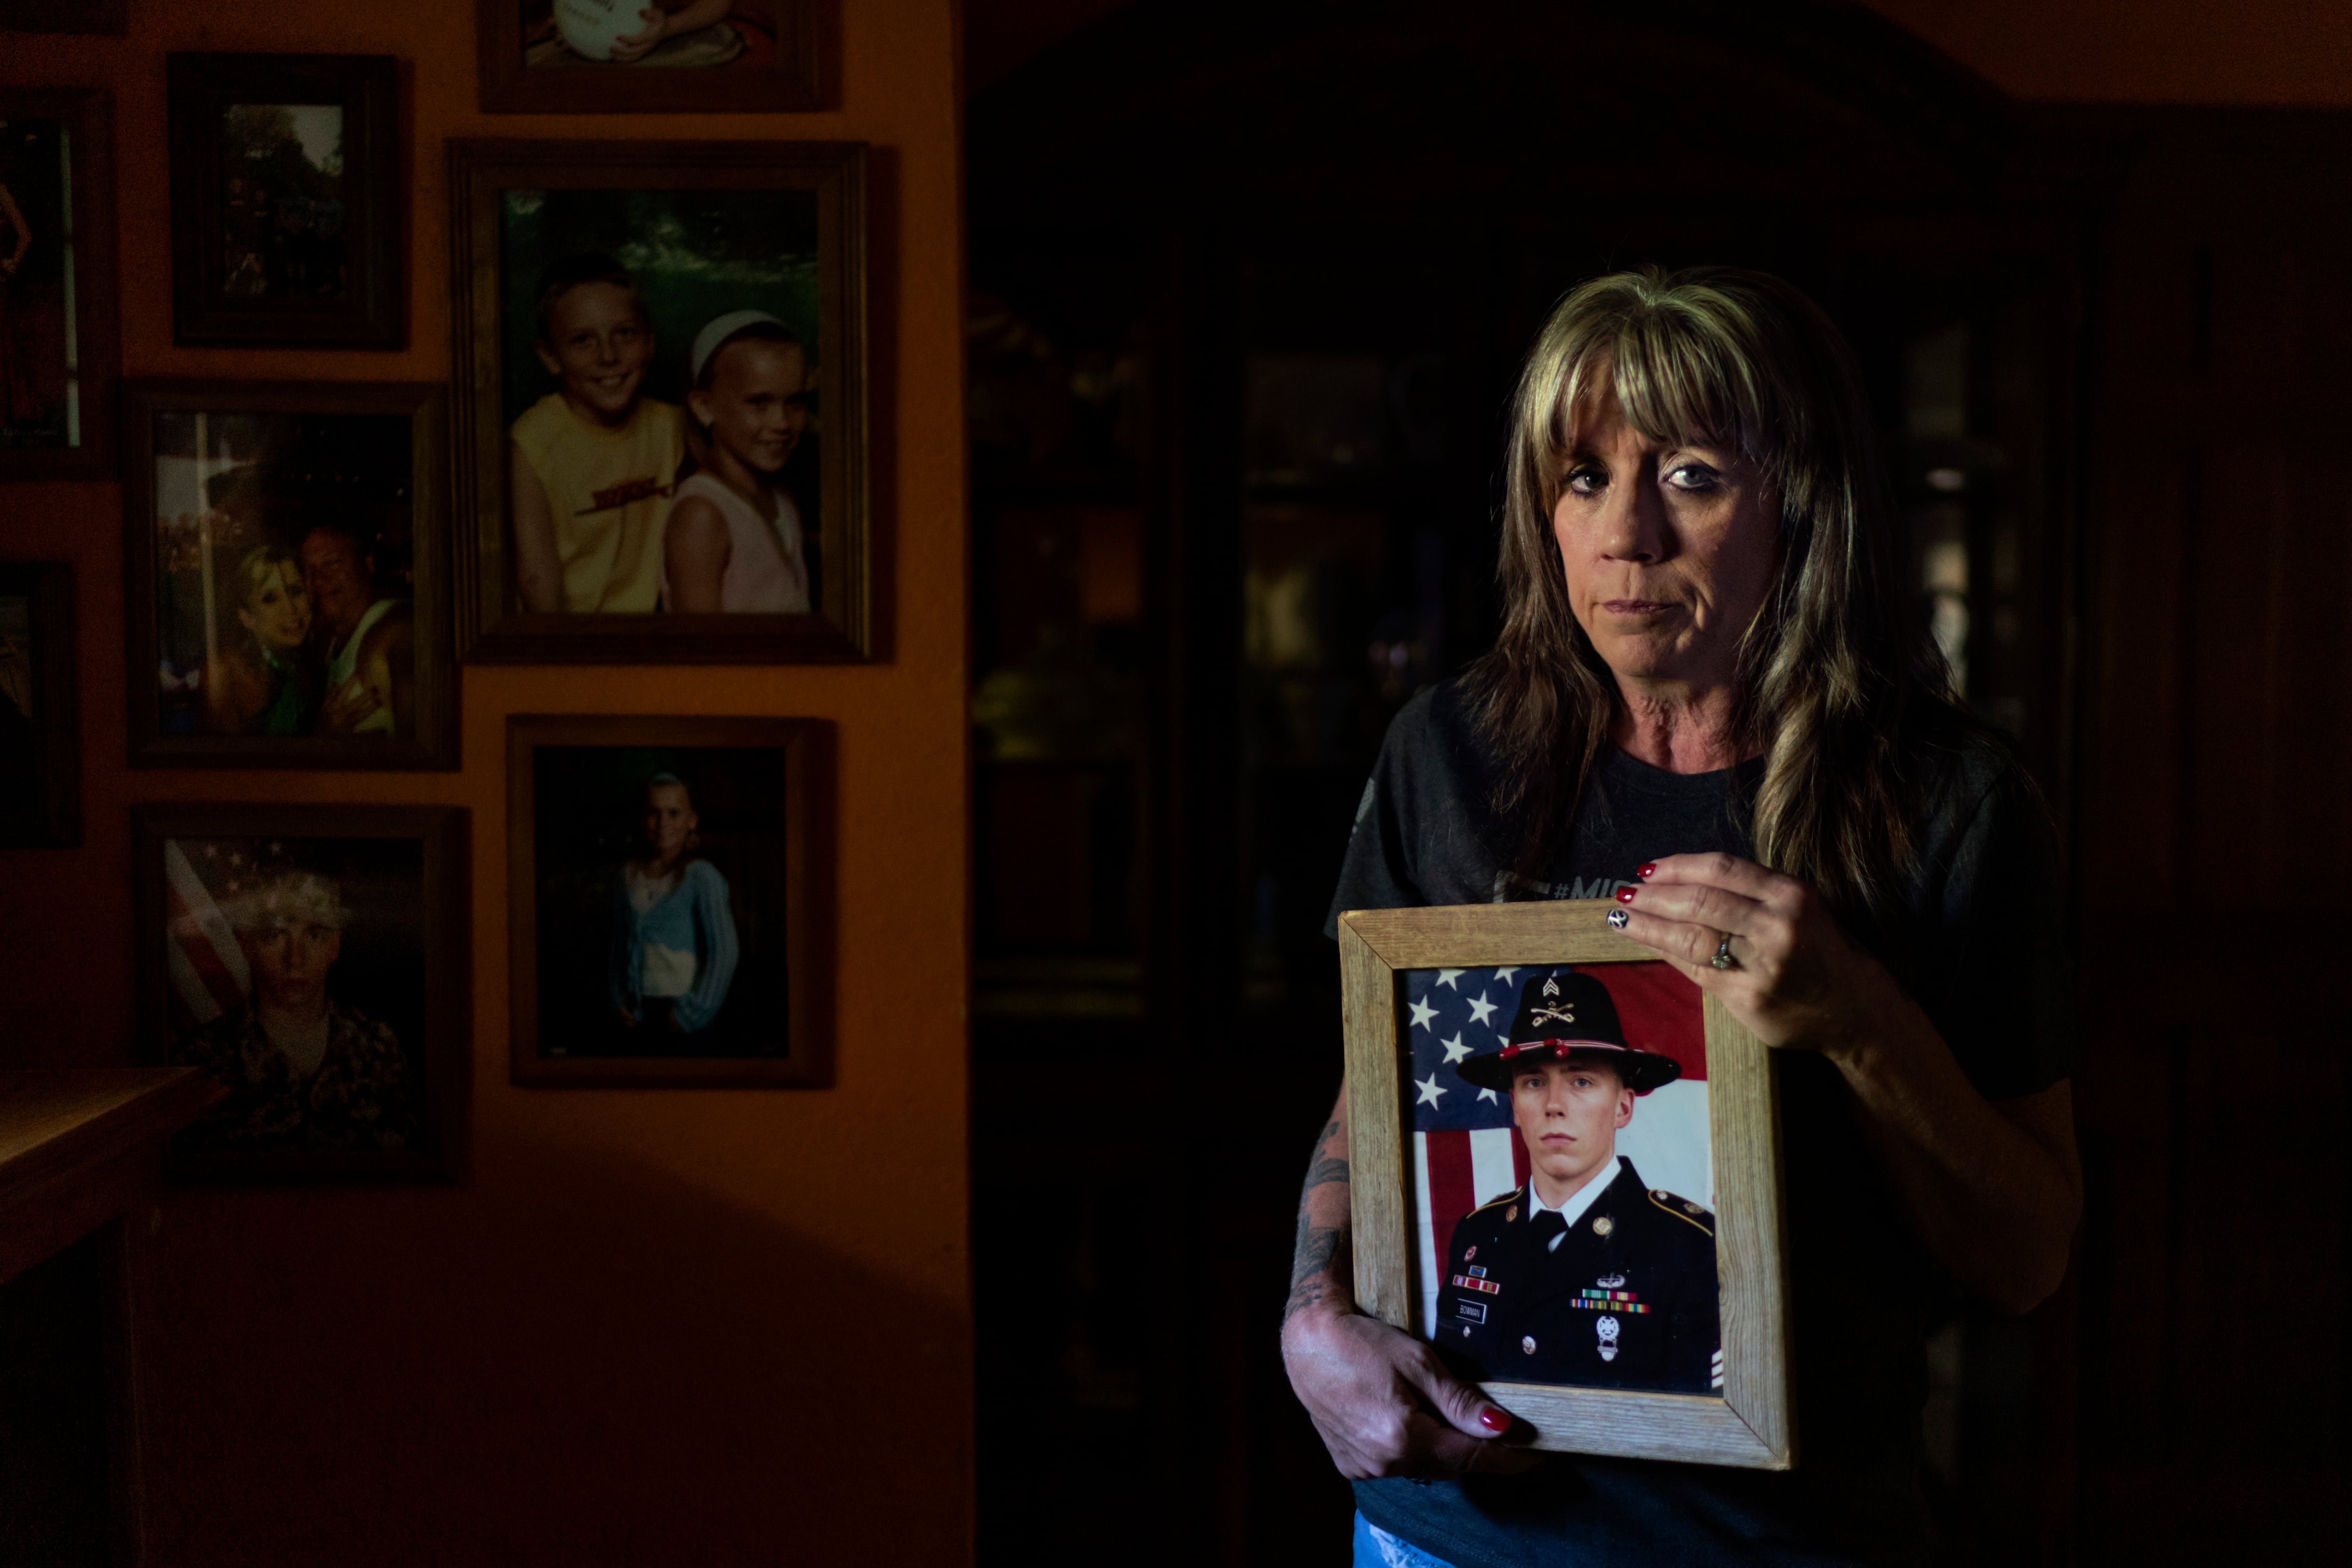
(1566, 1177)
(660, 401)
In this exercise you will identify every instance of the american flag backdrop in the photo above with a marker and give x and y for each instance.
(207, 966)
(1465, 1149)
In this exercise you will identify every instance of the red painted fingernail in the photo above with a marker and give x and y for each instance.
(1645, 872)
(1494, 1421)
(1625, 895)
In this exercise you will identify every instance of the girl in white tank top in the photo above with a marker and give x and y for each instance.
(765, 573)
(732, 540)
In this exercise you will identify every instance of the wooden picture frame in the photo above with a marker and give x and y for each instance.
(788, 78)
(286, 230)
(60, 170)
(41, 809)
(1752, 1424)
(792, 772)
(298, 411)
(823, 182)
(412, 891)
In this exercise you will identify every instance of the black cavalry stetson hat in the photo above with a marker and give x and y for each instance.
(1563, 1015)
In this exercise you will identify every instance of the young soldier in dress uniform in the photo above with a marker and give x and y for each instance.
(1584, 1274)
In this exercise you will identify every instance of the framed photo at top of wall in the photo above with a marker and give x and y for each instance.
(660, 401)
(607, 57)
(286, 553)
(1566, 1177)
(59, 348)
(286, 201)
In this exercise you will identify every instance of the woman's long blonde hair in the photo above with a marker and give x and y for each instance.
(1838, 685)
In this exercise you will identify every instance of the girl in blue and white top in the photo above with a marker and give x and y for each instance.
(673, 948)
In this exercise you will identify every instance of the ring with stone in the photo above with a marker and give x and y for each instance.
(1723, 959)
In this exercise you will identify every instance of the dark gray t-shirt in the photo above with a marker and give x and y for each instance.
(1979, 944)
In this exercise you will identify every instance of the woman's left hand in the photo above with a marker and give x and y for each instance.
(1796, 979)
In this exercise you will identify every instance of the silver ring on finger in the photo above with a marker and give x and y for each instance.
(1723, 959)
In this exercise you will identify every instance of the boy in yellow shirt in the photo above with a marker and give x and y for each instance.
(589, 466)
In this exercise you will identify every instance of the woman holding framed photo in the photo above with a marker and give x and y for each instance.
(1712, 701)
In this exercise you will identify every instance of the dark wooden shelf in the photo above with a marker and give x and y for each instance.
(76, 1143)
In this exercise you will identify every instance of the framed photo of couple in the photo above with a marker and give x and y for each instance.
(1566, 1177)
(286, 574)
(660, 401)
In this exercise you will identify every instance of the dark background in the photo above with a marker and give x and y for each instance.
(1251, 288)
(590, 806)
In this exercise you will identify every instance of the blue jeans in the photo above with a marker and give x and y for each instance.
(1376, 1547)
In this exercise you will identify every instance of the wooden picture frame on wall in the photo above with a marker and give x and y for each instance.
(1405, 974)
(704, 844)
(358, 914)
(240, 498)
(62, 353)
(286, 201)
(763, 55)
(542, 231)
(40, 728)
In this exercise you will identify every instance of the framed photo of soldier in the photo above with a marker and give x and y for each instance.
(286, 574)
(40, 741)
(312, 961)
(60, 342)
(286, 201)
(661, 401)
(669, 901)
(607, 57)
(1566, 1178)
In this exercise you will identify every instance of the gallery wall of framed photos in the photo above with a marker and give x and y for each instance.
(314, 515)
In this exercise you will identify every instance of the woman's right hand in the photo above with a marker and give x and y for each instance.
(1387, 1406)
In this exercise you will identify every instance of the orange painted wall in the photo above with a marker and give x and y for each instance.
(650, 1326)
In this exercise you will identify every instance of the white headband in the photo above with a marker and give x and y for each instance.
(720, 329)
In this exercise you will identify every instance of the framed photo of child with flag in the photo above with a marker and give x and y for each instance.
(1566, 1176)
(660, 401)
(312, 961)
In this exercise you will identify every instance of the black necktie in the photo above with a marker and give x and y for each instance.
(1547, 1228)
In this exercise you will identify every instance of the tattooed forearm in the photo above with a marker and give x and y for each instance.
(1315, 1267)
(1326, 1168)
(1319, 1261)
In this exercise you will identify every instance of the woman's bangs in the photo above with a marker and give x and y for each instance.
(1676, 387)
(1551, 432)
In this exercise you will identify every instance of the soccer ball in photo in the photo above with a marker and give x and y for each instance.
(589, 27)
